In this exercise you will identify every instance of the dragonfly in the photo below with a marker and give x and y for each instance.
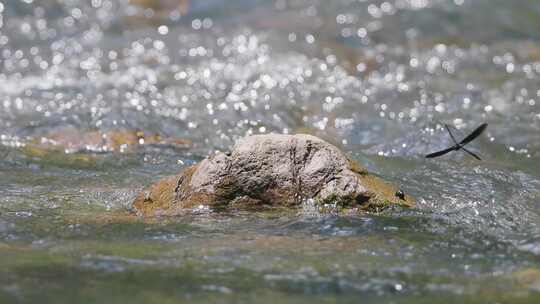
(461, 145)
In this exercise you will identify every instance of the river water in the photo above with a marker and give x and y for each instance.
(377, 78)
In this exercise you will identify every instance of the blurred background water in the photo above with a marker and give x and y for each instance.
(377, 78)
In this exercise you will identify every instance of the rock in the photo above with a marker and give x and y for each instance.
(87, 148)
(528, 277)
(270, 171)
(163, 5)
(70, 143)
(72, 140)
(161, 12)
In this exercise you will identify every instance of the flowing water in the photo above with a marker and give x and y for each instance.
(377, 78)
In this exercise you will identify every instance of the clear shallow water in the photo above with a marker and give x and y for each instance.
(377, 78)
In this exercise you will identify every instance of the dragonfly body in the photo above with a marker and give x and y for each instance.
(460, 145)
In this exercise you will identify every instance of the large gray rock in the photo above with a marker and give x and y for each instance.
(271, 170)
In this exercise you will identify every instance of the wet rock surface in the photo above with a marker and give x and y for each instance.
(78, 145)
(71, 140)
(269, 171)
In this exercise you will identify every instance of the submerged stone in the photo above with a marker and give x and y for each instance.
(528, 278)
(72, 140)
(70, 145)
(271, 171)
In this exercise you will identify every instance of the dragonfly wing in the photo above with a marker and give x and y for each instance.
(442, 152)
(450, 132)
(471, 153)
(474, 134)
